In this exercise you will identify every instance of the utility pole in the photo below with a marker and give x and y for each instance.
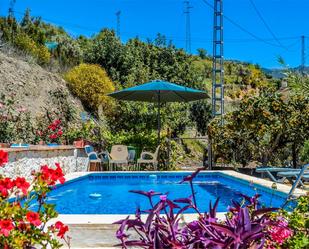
(303, 55)
(118, 23)
(11, 8)
(11, 17)
(188, 25)
(217, 98)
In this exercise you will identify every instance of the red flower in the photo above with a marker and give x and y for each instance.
(46, 175)
(51, 176)
(22, 184)
(62, 229)
(33, 218)
(60, 132)
(6, 185)
(4, 157)
(58, 174)
(53, 136)
(5, 227)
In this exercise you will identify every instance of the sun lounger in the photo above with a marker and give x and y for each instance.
(271, 170)
(292, 175)
(302, 175)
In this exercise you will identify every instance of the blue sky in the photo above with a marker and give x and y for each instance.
(145, 18)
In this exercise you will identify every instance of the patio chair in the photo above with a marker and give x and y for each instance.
(271, 170)
(119, 155)
(94, 157)
(149, 158)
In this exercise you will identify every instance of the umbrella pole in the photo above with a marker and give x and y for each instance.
(159, 118)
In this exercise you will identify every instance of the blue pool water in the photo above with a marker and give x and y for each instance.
(108, 193)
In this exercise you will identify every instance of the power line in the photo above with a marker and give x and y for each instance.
(241, 27)
(58, 22)
(265, 23)
(173, 38)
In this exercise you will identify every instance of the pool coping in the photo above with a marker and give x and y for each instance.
(111, 218)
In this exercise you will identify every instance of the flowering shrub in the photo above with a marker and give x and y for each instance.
(245, 226)
(15, 122)
(52, 133)
(298, 224)
(21, 227)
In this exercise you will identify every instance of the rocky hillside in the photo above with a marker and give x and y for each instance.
(31, 83)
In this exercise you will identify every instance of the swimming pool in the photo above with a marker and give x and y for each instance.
(108, 193)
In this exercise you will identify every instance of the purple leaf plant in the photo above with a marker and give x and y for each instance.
(245, 226)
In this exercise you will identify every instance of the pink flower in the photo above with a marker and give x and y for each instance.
(280, 232)
(39, 133)
(163, 197)
(21, 109)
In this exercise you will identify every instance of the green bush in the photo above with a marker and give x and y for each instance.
(91, 84)
(38, 51)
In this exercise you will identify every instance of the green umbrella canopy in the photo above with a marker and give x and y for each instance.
(159, 91)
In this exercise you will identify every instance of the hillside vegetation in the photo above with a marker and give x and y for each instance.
(102, 63)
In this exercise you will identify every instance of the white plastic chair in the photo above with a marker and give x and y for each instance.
(149, 158)
(119, 155)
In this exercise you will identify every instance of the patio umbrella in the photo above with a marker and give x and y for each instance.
(158, 91)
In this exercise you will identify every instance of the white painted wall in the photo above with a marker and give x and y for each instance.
(22, 163)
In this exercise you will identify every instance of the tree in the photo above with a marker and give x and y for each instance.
(202, 53)
(200, 113)
(262, 129)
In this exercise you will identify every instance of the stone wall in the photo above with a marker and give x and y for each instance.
(22, 161)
